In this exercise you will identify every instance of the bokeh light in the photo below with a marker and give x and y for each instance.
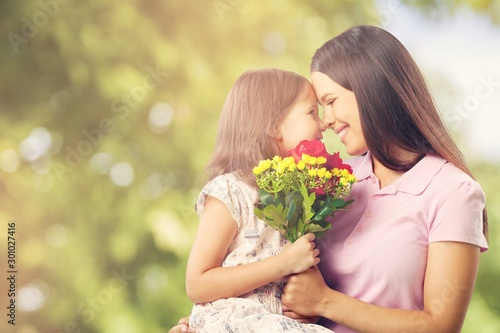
(160, 117)
(101, 163)
(122, 174)
(36, 144)
(9, 161)
(57, 235)
(33, 296)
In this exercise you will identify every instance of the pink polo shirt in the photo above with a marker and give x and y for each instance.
(376, 250)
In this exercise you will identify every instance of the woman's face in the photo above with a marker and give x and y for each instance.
(301, 123)
(341, 112)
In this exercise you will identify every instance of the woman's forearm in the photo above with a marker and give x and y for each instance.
(367, 318)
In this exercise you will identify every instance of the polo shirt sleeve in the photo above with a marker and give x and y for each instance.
(459, 217)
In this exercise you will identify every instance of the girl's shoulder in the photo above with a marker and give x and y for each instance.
(237, 196)
(225, 182)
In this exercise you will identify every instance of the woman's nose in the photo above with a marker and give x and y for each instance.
(328, 119)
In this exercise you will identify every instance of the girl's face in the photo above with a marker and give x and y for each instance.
(341, 112)
(301, 123)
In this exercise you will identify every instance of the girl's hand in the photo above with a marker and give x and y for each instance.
(300, 318)
(181, 327)
(304, 292)
(301, 255)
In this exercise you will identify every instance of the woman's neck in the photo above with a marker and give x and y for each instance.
(388, 176)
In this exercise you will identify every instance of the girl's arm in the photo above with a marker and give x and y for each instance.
(206, 281)
(449, 282)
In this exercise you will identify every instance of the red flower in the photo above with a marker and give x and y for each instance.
(314, 148)
(335, 161)
(320, 193)
(317, 148)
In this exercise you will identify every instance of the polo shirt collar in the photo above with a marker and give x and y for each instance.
(414, 181)
(363, 169)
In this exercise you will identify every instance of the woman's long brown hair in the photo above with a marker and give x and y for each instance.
(395, 106)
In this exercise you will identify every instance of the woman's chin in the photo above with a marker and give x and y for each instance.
(355, 151)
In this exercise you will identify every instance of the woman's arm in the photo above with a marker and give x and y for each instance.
(449, 283)
(206, 281)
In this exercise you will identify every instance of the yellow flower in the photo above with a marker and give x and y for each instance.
(312, 172)
(351, 179)
(301, 165)
(264, 164)
(336, 172)
(312, 160)
(321, 172)
(277, 158)
(345, 173)
(305, 158)
(343, 181)
(320, 160)
(280, 169)
(328, 175)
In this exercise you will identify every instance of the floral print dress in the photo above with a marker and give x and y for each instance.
(259, 310)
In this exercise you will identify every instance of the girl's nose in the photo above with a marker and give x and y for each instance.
(322, 126)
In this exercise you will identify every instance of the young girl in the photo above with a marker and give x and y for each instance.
(237, 264)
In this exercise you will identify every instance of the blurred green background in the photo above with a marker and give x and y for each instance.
(108, 115)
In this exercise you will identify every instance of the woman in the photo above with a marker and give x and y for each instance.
(404, 257)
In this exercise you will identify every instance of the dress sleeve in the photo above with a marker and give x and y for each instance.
(460, 216)
(226, 190)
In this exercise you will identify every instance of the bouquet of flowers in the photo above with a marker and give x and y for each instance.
(297, 193)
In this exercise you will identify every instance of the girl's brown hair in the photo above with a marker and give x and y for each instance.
(395, 106)
(255, 106)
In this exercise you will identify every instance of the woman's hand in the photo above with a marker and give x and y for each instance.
(181, 327)
(297, 316)
(300, 255)
(304, 292)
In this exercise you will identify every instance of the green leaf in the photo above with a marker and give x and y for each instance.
(317, 229)
(293, 201)
(274, 216)
(307, 204)
(336, 203)
(266, 198)
(324, 211)
(347, 203)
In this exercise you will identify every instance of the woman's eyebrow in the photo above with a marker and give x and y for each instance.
(324, 97)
